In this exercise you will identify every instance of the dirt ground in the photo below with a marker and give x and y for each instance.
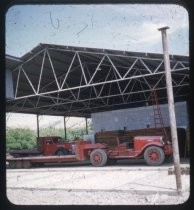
(122, 184)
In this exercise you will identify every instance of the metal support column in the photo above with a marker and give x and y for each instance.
(86, 125)
(65, 128)
(171, 109)
(37, 118)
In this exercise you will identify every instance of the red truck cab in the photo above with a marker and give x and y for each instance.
(55, 145)
(152, 148)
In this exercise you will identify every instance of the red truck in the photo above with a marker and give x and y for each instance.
(152, 148)
(49, 145)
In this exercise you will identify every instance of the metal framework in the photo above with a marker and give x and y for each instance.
(62, 80)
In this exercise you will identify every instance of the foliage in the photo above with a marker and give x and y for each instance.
(20, 138)
(72, 133)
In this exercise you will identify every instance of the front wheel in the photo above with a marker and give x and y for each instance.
(154, 155)
(98, 157)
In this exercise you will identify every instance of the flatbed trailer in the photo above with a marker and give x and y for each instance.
(27, 162)
(152, 148)
(82, 153)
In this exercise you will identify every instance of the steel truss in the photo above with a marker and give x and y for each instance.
(79, 81)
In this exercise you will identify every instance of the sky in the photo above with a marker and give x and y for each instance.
(121, 27)
(18, 120)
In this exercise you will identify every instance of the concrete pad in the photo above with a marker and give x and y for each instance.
(105, 185)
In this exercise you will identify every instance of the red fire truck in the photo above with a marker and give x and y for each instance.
(153, 149)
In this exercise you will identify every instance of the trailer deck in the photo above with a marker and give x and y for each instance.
(24, 152)
(26, 162)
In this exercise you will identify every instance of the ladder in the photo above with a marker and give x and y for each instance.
(158, 120)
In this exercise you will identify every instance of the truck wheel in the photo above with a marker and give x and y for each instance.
(154, 155)
(18, 164)
(12, 164)
(61, 151)
(98, 157)
(26, 164)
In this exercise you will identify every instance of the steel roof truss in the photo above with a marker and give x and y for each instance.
(82, 68)
(130, 67)
(136, 80)
(97, 68)
(41, 70)
(160, 64)
(68, 70)
(17, 83)
(115, 95)
(145, 66)
(87, 84)
(114, 66)
(29, 80)
(54, 73)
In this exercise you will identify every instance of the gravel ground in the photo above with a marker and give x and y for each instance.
(62, 197)
(86, 185)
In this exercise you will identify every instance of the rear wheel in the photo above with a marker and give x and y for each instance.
(12, 164)
(98, 157)
(26, 164)
(154, 155)
(18, 164)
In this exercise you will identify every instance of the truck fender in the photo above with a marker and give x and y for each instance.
(150, 144)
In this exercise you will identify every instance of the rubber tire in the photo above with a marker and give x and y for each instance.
(26, 164)
(61, 152)
(101, 154)
(18, 164)
(12, 164)
(159, 151)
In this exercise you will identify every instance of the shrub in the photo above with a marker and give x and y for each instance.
(20, 138)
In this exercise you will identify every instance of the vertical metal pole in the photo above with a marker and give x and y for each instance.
(37, 118)
(171, 109)
(86, 125)
(65, 128)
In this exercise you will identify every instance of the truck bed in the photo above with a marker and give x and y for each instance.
(44, 159)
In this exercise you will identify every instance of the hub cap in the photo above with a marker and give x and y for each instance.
(154, 155)
(97, 158)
